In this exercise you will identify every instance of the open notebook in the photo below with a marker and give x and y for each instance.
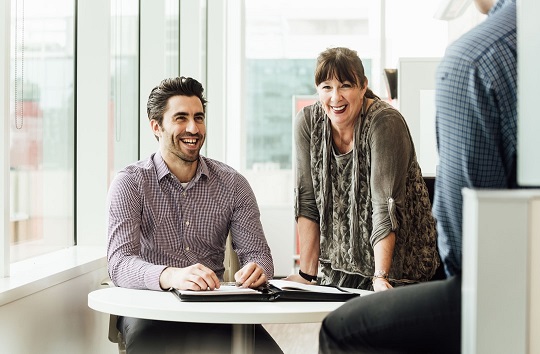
(274, 290)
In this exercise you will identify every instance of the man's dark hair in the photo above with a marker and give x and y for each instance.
(177, 86)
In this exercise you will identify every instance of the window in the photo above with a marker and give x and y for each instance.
(280, 43)
(124, 111)
(280, 51)
(41, 126)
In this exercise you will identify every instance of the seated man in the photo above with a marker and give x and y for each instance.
(169, 217)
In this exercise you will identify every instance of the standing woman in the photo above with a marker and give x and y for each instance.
(362, 206)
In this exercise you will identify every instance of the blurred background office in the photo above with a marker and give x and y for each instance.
(76, 75)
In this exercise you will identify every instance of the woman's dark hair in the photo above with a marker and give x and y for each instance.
(343, 64)
(177, 86)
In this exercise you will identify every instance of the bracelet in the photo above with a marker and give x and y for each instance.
(380, 274)
(307, 276)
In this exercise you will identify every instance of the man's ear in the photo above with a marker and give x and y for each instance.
(156, 129)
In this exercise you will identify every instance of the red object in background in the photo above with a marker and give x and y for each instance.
(26, 148)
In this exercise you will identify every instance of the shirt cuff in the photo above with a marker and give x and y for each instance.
(151, 277)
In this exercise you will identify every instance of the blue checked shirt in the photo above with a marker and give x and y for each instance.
(155, 222)
(476, 122)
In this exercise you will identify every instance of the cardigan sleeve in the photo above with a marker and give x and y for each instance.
(391, 151)
(305, 204)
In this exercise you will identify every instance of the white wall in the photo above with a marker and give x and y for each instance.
(528, 78)
(93, 76)
(499, 251)
(416, 99)
(57, 320)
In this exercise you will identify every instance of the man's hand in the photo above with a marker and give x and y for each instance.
(251, 276)
(194, 277)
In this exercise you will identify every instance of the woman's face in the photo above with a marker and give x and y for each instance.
(341, 101)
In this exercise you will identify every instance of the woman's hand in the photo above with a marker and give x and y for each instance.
(297, 278)
(381, 284)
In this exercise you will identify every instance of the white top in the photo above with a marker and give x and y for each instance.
(159, 305)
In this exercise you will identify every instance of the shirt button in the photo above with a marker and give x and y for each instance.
(187, 223)
(184, 194)
(390, 200)
(187, 248)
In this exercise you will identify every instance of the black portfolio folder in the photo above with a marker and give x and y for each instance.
(274, 290)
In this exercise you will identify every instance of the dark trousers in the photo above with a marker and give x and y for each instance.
(422, 318)
(150, 336)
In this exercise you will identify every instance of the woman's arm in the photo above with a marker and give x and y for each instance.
(309, 236)
(383, 251)
(306, 209)
(391, 151)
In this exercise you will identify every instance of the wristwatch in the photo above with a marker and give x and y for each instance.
(380, 274)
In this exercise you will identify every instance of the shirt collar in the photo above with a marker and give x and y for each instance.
(162, 170)
(498, 5)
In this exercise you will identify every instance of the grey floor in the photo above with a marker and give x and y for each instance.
(296, 338)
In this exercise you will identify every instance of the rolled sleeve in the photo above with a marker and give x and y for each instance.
(391, 150)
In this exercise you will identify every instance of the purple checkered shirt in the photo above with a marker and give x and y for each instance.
(154, 222)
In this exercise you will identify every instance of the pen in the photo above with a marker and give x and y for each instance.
(231, 283)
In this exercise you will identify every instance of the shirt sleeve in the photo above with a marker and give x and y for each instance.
(305, 204)
(248, 238)
(391, 149)
(126, 267)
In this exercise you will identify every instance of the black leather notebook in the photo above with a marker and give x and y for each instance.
(274, 290)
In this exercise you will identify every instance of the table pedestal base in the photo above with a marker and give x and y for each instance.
(243, 339)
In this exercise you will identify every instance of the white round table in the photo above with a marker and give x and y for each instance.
(166, 306)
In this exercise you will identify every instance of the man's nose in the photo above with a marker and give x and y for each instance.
(192, 127)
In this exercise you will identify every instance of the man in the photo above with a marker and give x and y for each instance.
(476, 126)
(169, 217)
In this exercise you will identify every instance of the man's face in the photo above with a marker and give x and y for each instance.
(484, 5)
(183, 129)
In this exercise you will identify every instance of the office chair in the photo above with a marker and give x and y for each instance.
(430, 183)
(231, 264)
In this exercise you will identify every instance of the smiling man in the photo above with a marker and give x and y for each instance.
(169, 217)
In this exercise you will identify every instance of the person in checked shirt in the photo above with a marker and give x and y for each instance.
(168, 220)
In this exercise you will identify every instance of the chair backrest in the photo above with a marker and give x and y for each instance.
(231, 262)
(430, 184)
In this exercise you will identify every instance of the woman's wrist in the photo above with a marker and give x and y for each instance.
(380, 274)
(308, 277)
